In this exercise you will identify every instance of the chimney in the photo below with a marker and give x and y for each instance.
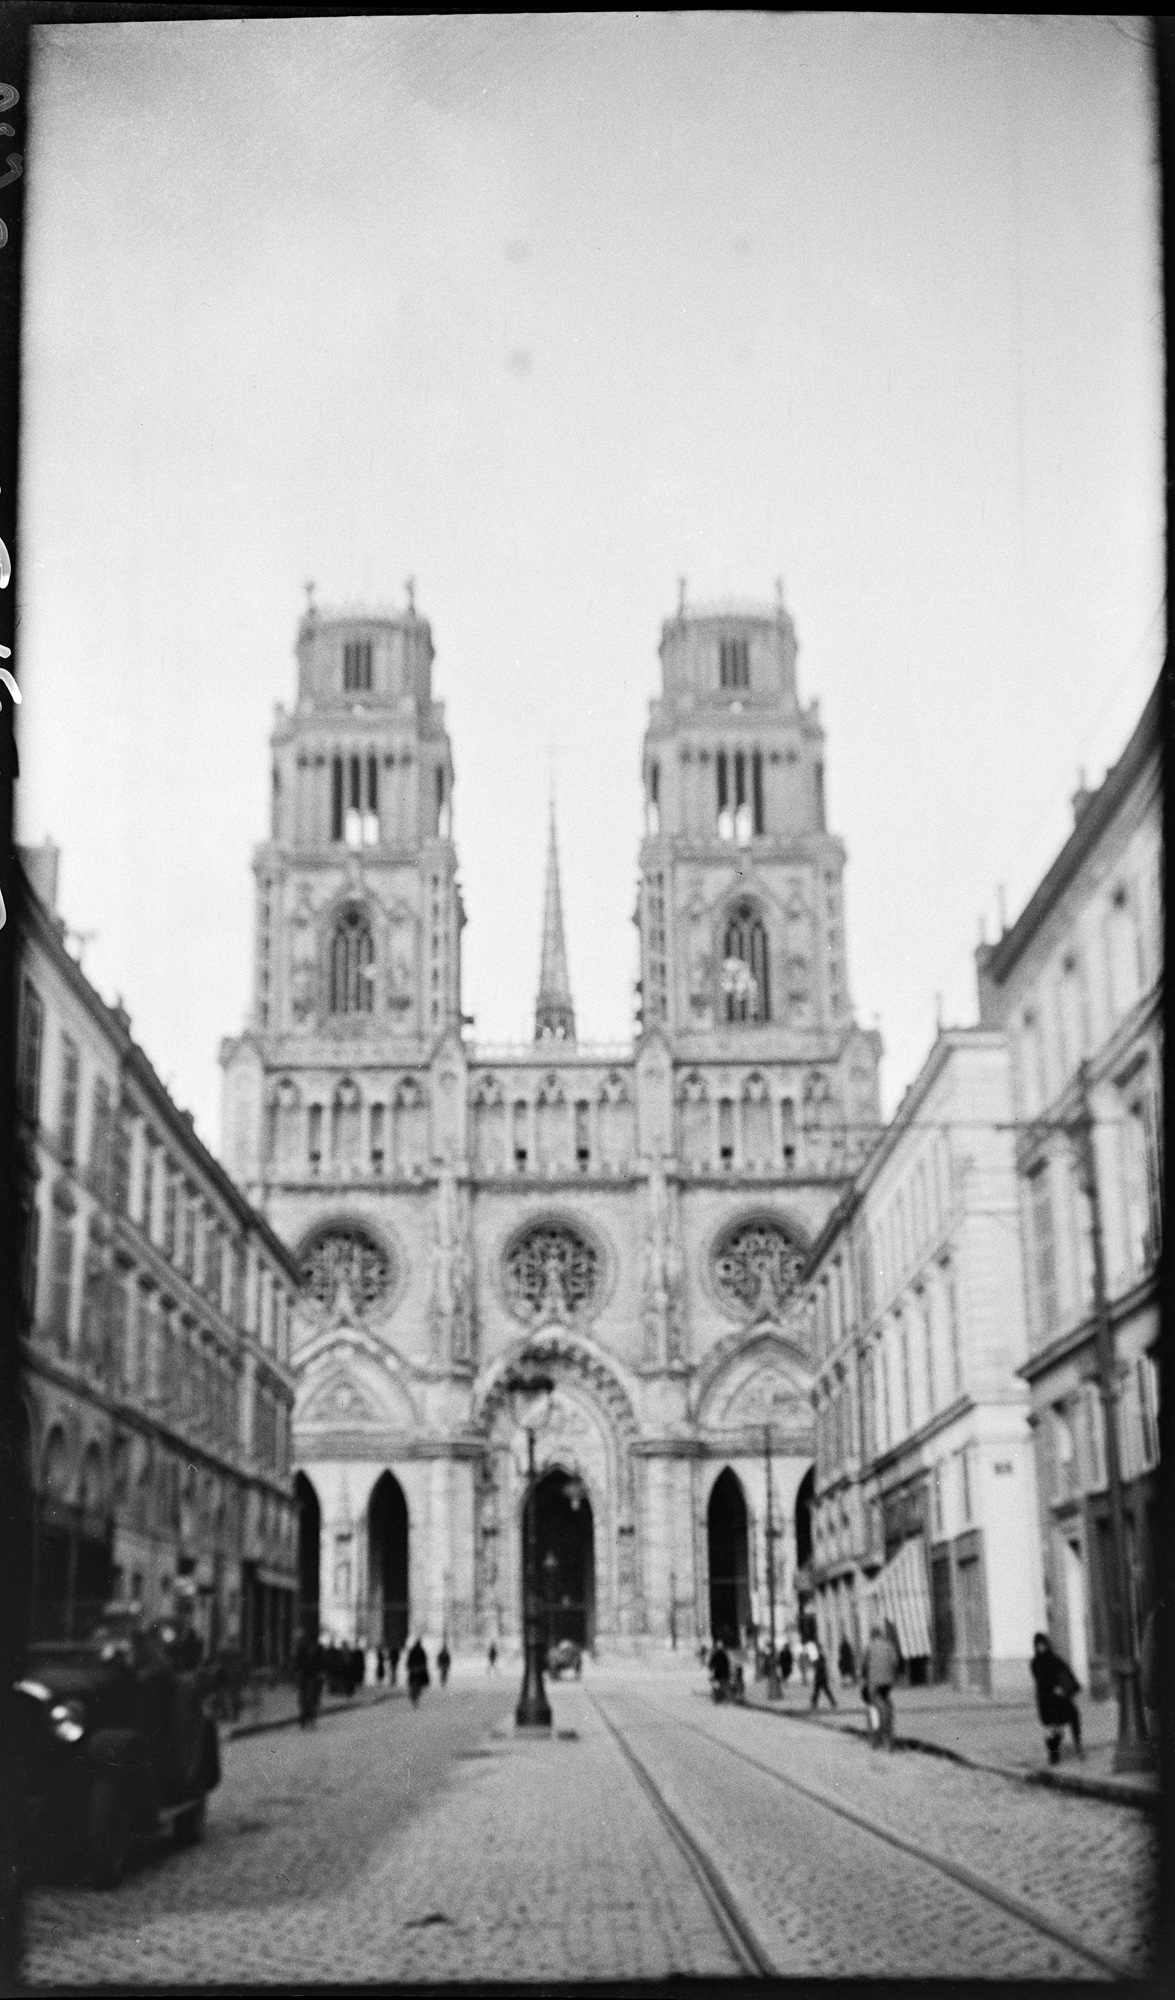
(1081, 797)
(40, 865)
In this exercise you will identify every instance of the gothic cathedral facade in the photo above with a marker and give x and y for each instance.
(633, 1218)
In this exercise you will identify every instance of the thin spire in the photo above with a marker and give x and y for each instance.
(554, 1015)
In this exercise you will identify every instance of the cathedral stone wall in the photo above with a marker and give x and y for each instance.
(633, 1221)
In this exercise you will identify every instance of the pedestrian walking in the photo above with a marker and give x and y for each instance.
(492, 1659)
(444, 1662)
(393, 1663)
(381, 1666)
(820, 1681)
(785, 1663)
(880, 1673)
(1056, 1685)
(417, 1671)
(308, 1674)
(846, 1662)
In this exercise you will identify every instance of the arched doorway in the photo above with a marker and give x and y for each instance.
(565, 1555)
(387, 1564)
(804, 1499)
(730, 1594)
(309, 1546)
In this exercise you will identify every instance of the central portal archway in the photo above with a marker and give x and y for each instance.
(730, 1595)
(387, 1564)
(565, 1555)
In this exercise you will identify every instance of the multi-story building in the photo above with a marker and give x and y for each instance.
(925, 1496)
(1077, 984)
(632, 1217)
(157, 1316)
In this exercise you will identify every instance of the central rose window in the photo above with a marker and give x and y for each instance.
(757, 1267)
(551, 1272)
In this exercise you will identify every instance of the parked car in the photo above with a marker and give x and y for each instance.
(564, 1657)
(117, 1747)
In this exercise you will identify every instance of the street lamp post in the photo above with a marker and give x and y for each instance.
(772, 1661)
(1132, 1752)
(530, 1400)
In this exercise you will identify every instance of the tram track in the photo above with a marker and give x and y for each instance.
(737, 1921)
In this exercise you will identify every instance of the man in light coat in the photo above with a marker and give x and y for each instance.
(877, 1680)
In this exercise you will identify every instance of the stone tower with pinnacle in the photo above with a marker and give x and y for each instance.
(554, 1014)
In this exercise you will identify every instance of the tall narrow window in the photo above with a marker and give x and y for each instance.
(904, 1351)
(745, 982)
(100, 1122)
(67, 1130)
(170, 1206)
(740, 778)
(148, 1187)
(757, 789)
(357, 666)
(61, 1295)
(32, 1034)
(733, 663)
(352, 969)
(720, 769)
(1044, 1246)
(583, 1142)
(336, 798)
(315, 1137)
(1140, 1180)
(371, 815)
(30, 1244)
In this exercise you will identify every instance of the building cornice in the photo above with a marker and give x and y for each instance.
(1084, 1333)
(998, 961)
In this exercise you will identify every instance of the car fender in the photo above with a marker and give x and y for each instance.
(118, 1749)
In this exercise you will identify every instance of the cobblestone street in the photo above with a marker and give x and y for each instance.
(394, 1845)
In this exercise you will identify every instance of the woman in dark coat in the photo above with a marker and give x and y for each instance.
(1056, 1685)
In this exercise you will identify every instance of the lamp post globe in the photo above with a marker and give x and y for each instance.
(530, 1402)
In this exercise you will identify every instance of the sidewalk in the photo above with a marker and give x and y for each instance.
(990, 1733)
(275, 1706)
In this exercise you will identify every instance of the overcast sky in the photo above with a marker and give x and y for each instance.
(547, 312)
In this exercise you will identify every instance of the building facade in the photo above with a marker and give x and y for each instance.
(1077, 984)
(157, 1311)
(634, 1217)
(925, 1493)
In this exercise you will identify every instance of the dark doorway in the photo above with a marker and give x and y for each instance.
(730, 1595)
(309, 1546)
(804, 1499)
(387, 1564)
(565, 1554)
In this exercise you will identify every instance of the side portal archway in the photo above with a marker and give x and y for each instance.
(309, 1554)
(387, 1564)
(726, 1527)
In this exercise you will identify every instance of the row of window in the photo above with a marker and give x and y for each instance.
(170, 1212)
(1064, 1023)
(907, 1372)
(1132, 1207)
(1076, 1441)
(64, 1129)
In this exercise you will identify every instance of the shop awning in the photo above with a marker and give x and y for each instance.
(900, 1593)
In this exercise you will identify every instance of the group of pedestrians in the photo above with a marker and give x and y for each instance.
(342, 1669)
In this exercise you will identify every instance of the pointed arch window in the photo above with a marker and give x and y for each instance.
(352, 967)
(745, 979)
